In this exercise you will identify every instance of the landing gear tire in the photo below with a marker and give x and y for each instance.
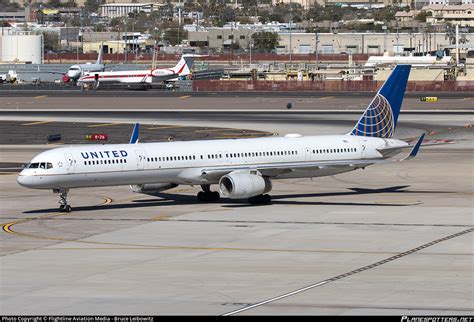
(63, 206)
(260, 200)
(207, 196)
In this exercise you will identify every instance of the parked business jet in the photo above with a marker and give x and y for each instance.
(141, 77)
(76, 71)
(243, 168)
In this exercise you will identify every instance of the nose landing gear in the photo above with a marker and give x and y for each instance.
(63, 206)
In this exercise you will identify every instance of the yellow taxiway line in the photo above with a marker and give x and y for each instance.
(104, 124)
(165, 127)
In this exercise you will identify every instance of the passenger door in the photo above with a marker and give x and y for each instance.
(70, 163)
(363, 149)
(307, 154)
(140, 159)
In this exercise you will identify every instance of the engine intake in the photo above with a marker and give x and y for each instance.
(243, 185)
(152, 187)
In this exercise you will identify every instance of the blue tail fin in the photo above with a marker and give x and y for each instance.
(134, 137)
(380, 117)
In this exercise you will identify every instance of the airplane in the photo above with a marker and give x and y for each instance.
(76, 71)
(142, 77)
(242, 168)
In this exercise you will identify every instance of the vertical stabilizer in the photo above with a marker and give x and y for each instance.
(184, 66)
(381, 116)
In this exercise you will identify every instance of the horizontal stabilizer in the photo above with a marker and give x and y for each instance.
(416, 148)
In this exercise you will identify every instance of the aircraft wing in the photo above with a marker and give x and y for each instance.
(50, 72)
(164, 77)
(111, 66)
(274, 170)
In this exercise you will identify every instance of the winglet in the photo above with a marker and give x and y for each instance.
(134, 137)
(415, 149)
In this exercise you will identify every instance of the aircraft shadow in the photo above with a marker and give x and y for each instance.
(169, 199)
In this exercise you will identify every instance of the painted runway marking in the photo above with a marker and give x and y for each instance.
(185, 96)
(41, 96)
(7, 227)
(34, 123)
(216, 130)
(359, 270)
(244, 135)
(326, 97)
(103, 124)
(165, 127)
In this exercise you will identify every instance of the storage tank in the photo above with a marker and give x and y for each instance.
(21, 48)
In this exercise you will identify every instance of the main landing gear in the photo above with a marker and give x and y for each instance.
(207, 195)
(260, 200)
(63, 206)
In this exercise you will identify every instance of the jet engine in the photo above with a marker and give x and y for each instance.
(244, 184)
(151, 188)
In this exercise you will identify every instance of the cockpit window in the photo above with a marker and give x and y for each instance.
(41, 165)
(74, 68)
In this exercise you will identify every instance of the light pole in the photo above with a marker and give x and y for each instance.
(179, 19)
(126, 40)
(291, 19)
(250, 46)
(316, 49)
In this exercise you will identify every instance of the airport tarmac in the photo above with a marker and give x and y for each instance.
(195, 101)
(390, 239)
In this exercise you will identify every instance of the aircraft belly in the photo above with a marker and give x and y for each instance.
(83, 180)
(313, 173)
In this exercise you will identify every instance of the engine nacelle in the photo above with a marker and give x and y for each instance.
(152, 187)
(244, 184)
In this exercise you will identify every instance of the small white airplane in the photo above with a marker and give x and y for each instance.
(142, 77)
(74, 72)
(243, 168)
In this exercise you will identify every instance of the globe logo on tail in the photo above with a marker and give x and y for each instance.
(377, 120)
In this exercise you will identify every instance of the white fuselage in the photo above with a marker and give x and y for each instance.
(128, 76)
(184, 162)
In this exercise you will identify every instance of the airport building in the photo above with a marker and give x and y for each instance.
(329, 43)
(113, 10)
(463, 14)
(18, 16)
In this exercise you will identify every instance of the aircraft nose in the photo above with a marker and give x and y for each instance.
(25, 180)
